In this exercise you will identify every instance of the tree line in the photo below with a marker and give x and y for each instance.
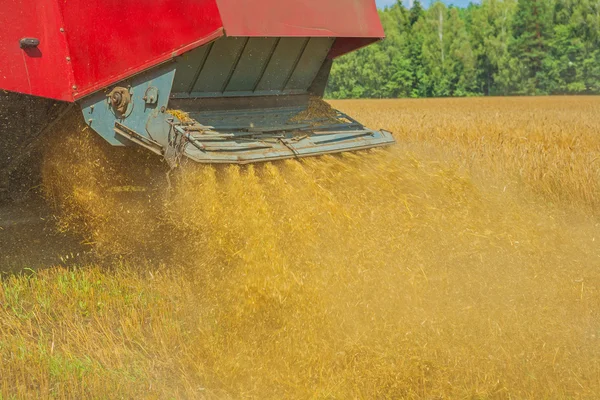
(498, 47)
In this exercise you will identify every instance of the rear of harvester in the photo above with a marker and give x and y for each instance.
(214, 81)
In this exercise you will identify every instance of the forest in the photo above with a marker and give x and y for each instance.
(498, 47)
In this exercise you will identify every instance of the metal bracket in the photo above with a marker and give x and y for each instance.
(29, 43)
(151, 95)
(119, 99)
(135, 137)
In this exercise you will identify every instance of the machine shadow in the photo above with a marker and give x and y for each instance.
(30, 239)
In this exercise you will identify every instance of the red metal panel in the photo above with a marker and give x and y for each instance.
(43, 71)
(112, 39)
(346, 45)
(331, 18)
(87, 45)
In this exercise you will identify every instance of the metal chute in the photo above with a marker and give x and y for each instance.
(256, 134)
(245, 100)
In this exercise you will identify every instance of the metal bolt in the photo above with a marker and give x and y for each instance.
(62, 29)
(92, 107)
(74, 87)
(117, 98)
(68, 59)
(90, 121)
(163, 109)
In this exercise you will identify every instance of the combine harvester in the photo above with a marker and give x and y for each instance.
(239, 72)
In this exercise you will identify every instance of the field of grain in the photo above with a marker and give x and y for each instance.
(461, 263)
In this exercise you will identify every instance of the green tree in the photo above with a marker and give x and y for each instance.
(447, 56)
(496, 47)
(532, 29)
(416, 12)
(571, 65)
(491, 32)
(396, 22)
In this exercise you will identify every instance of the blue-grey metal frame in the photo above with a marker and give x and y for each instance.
(242, 98)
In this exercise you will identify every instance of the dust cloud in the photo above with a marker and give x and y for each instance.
(384, 273)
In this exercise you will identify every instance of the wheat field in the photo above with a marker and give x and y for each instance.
(461, 263)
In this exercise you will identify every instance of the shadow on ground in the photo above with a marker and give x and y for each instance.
(29, 238)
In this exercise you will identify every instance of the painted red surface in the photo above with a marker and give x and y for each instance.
(111, 39)
(105, 41)
(331, 18)
(345, 45)
(42, 72)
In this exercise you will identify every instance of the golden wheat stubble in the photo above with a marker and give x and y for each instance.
(452, 265)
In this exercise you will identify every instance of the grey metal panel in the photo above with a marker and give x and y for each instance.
(220, 62)
(235, 65)
(188, 68)
(282, 64)
(194, 95)
(309, 64)
(240, 66)
(233, 103)
(146, 119)
(252, 64)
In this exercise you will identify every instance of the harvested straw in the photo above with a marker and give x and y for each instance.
(318, 112)
(106, 193)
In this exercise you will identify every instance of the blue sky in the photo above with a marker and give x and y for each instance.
(459, 3)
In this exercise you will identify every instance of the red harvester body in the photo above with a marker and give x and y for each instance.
(241, 71)
(88, 45)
